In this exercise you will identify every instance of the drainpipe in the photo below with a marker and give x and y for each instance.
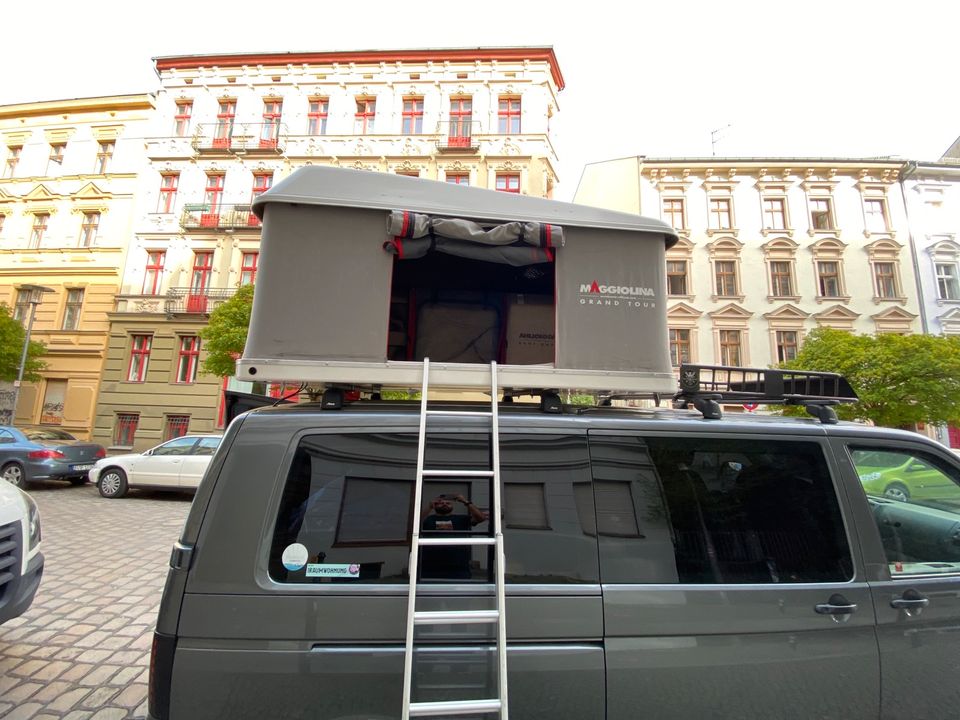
(909, 168)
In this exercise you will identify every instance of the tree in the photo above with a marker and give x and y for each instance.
(900, 379)
(226, 334)
(11, 347)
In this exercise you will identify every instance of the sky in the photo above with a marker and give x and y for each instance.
(740, 78)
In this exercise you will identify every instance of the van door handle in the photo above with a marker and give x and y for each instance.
(836, 605)
(911, 600)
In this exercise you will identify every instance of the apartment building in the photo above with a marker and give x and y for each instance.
(229, 126)
(770, 249)
(68, 182)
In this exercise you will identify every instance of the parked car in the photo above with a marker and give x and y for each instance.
(177, 464)
(42, 453)
(903, 477)
(21, 562)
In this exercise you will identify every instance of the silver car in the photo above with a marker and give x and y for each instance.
(177, 464)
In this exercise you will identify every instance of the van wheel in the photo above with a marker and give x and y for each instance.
(112, 483)
(897, 491)
(13, 473)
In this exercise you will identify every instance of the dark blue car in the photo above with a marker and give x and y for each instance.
(44, 453)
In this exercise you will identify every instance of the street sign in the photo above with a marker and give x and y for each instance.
(750, 407)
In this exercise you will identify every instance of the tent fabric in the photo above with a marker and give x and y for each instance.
(513, 243)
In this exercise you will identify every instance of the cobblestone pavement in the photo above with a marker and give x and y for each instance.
(82, 650)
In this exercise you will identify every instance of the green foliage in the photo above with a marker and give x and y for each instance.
(11, 346)
(900, 379)
(226, 334)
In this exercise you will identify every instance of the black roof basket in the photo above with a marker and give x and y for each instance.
(706, 386)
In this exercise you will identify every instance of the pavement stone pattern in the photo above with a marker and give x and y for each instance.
(82, 650)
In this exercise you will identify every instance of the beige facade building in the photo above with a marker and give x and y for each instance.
(770, 249)
(228, 127)
(67, 193)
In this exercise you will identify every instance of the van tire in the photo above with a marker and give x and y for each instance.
(896, 491)
(112, 483)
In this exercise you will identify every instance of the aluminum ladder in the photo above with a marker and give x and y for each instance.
(497, 616)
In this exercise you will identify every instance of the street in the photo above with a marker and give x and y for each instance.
(82, 650)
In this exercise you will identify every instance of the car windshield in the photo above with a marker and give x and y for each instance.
(47, 434)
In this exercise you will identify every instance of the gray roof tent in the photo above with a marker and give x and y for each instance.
(331, 240)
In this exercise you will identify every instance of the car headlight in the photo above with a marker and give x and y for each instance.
(33, 522)
(869, 477)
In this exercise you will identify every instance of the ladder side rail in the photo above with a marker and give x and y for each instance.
(500, 555)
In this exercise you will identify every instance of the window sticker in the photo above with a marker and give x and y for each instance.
(294, 556)
(333, 570)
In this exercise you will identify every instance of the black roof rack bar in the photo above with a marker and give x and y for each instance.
(763, 385)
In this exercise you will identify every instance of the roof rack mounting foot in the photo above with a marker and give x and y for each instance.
(332, 399)
(823, 412)
(709, 406)
(550, 403)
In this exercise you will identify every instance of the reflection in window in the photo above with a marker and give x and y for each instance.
(524, 506)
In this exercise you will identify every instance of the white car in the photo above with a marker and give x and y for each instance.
(21, 563)
(177, 464)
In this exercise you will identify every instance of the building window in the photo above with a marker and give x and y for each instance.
(412, 116)
(821, 214)
(2, 219)
(508, 116)
(673, 213)
(781, 278)
(168, 193)
(730, 347)
(270, 133)
(317, 110)
(126, 429)
(54, 399)
(774, 214)
(720, 214)
(726, 274)
(248, 268)
(71, 314)
(679, 346)
(947, 284)
(139, 357)
(55, 161)
(226, 112)
(508, 182)
(188, 359)
(885, 276)
(202, 268)
(212, 194)
(153, 277)
(13, 157)
(365, 115)
(261, 183)
(786, 345)
(88, 229)
(875, 213)
(458, 178)
(40, 221)
(828, 279)
(175, 426)
(461, 122)
(181, 121)
(677, 277)
(22, 305)
(104, 156)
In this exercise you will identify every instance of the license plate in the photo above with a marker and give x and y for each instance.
(81, 467)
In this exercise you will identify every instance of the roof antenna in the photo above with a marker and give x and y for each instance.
(715, 137)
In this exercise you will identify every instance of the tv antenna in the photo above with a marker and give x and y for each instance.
(715, 137)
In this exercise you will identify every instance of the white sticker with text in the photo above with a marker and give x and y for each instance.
(331, 570)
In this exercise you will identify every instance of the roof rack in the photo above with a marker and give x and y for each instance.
(706, 386)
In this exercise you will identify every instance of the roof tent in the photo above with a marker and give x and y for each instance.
(363, 274)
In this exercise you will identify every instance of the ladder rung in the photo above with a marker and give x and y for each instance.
(458, 541)
(455, 617)
(462, 413)
(453, 707)
(458, 473)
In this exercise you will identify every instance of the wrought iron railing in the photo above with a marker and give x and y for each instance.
(458, 135)
(241, 137)
(218, 217)
(192, 301)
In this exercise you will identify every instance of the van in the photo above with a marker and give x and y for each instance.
(21, 559)
(673, 563)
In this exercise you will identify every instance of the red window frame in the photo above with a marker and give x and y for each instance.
(461, 119)
(261, 183)
(168, 192)
(412, 116)
(248, 268)
(181, 121)
(272, 110)
(508, 182)
(200, 275)
(188, 359)
(508, 114)
(458, 178)
(365, 115)
(226, 112)
(140, 352)
(212, 193)
(126, 429)
(175, 426)
(40, 221)
(153, 276)
(317, 116)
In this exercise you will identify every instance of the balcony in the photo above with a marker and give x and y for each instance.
(218, 217)
(459, 136)
(241, 138)
(187, 301)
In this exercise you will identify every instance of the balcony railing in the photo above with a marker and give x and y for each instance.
(235, 137)
(218, 217)
(459, 135)
(181, 300)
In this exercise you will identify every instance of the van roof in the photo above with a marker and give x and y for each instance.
(343, 187)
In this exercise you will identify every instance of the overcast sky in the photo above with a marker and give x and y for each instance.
(792, 78)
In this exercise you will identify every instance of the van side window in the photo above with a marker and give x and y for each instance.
(915, 500)
(705, 510)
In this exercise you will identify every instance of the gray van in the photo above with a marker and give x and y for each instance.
(660, 562)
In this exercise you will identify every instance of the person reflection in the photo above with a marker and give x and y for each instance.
(439, 520)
